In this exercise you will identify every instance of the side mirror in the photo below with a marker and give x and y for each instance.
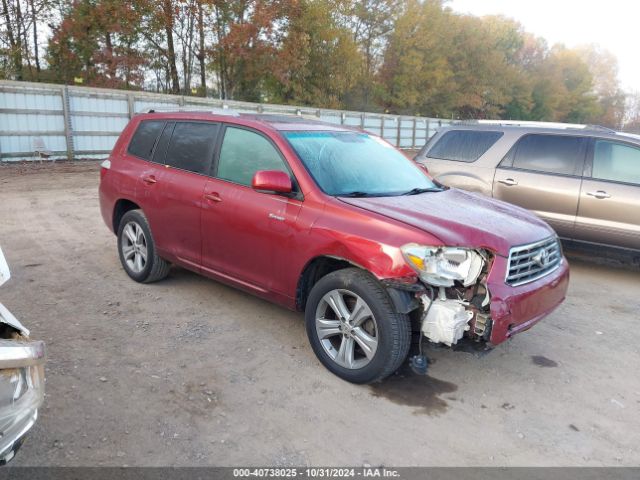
(272, 181)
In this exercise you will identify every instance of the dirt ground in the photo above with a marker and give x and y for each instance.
(191, 372)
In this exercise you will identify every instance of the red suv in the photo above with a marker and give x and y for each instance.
(331, 221)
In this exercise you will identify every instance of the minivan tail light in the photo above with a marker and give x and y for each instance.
(104, 168)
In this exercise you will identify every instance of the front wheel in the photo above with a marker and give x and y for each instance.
(353, 328)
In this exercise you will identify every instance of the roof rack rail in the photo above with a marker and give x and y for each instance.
(600, 127)
(532, 123)
(192, 108)
(629, 135)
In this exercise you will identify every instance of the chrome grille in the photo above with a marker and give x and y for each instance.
(533, 261)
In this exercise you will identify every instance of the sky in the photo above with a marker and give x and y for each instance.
(612, 24)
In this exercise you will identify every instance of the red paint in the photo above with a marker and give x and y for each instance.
(515, 309)
(262, 242)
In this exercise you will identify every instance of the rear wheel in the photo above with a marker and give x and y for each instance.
(353, 328)
(137, 250)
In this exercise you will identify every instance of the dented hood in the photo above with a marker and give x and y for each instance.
(461, 218)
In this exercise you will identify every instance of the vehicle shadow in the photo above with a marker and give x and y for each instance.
(602, 256)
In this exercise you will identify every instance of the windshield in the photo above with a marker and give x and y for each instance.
(358, 165)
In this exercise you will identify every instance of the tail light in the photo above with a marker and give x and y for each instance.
(104, 168)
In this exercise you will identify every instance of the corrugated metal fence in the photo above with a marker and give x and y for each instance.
(80, 122)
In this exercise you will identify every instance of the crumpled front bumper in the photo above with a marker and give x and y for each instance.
(21, 391)
(516, 309)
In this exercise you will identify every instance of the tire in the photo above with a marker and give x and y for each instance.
(137, 250)
(359, 360)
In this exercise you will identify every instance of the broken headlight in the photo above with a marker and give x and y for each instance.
(442, 266)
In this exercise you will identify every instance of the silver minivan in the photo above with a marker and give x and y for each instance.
(584, 181)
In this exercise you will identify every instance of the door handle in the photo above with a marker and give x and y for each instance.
(212, 197)
(150, 180)
(508, 182)
(600, 194)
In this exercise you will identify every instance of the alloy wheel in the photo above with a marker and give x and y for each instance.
(134, 247)
(346, 328)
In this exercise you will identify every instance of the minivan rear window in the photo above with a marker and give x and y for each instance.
(463, 145)
(144, 139)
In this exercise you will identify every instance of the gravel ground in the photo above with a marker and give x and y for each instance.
(191, 372)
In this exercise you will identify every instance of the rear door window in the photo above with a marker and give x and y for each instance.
(144, 140)
(556, 154)
(463, 145)
(616, 162)
(192, 146)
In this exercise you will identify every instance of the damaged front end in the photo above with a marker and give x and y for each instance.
(21, 378)
(455, 300)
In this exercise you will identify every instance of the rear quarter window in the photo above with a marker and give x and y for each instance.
(145, 137)
(463, 145)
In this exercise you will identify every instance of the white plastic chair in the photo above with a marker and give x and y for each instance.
(40, 149)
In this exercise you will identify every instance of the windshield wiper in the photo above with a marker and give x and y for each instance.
(356, 194)
(416, 191)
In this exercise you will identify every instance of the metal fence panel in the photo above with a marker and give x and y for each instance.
(82, 122)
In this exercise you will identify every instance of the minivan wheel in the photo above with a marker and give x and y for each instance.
(137, 250)
(353, 328)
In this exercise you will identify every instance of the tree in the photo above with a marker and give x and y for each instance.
(632, 114)
(486, 78)
(159, 20)
(201, 55)
(400, 56)
(452, 65)
(416, 73)
(563, 89)
(370, 22)
(19, 37)
(318, 61)
(12, 20)
(247, 35)
(98, 42)
(603, 67)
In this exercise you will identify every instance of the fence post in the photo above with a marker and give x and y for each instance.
(399, 140)
(68, 128)
(130, 104)
(427, 132)
(413, 133)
